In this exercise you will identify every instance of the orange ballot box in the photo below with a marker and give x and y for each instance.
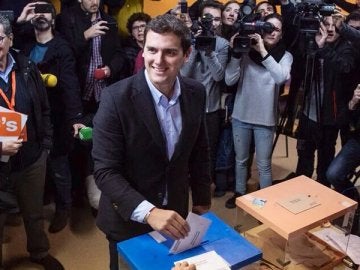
(291, 209)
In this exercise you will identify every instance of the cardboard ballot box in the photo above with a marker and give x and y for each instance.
(290, 209)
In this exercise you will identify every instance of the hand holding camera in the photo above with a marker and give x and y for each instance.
(98, 29)
(320, 37)
(257, 43)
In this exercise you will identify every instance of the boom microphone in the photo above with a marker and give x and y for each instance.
(49, 80)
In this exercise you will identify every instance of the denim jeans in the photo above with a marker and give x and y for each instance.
(344, 163)
(263, 136)
(59, 169)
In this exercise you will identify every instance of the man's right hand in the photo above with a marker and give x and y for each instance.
(10, 148)
(27, 13)
(95, 30)
(168, 222)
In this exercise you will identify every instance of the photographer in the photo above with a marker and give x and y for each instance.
(326, 98)
(348, 158)
(259, 75)
(207, 66)
(350, 29)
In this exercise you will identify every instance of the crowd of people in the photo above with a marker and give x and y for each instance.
(181, 104)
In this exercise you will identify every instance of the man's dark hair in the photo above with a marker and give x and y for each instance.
(4, 21)
(138, 16)
(170, 24)
(353, 16)
(211, 4)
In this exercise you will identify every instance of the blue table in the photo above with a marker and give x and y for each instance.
(144, 253)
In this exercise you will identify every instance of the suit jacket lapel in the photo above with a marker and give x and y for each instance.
(187, 103)
(144, 104)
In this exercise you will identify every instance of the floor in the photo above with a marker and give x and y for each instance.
(82, 246)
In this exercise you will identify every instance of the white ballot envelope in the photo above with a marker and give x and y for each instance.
(198, 228)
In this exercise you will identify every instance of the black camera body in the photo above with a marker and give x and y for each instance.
(310, 13)
(242, 43)
(206, 41)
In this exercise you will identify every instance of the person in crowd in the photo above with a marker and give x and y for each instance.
(93, 36)
(207, 66)
(348, 159)
(259, 75)
(350, 27)
(150, 144)
(264, 8)
(22, 91)
(225, 156)
(324, 110)
(134, 44)
(229, 16)
(53, 55)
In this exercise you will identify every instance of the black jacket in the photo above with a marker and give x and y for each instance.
(72, 23)
(64, 99)
(130, 157)
(28, 77)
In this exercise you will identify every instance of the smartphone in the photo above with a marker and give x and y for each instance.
(9, 14)
(43, 8)
(111, 25)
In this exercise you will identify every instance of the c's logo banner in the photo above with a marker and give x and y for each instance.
(10, 124)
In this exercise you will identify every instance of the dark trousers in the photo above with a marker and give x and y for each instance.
(59, 170)
(29, 189)
(213, 131)
(315, 137)
(345, 163)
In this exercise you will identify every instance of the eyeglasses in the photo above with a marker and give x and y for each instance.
(2, 39)
(138, 28)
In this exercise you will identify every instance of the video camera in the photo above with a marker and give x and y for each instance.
(206, 41)
(242, 43)
(309, 14)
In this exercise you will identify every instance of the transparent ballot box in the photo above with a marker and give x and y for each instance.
(298, 224)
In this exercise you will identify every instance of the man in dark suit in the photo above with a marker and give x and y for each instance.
(150, 144)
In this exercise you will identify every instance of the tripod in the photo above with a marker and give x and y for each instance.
(304, 90)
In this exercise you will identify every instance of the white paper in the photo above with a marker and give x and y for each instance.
(198, 227)
(5, 158)
(341, 242)
(158, 237)
(208, 261)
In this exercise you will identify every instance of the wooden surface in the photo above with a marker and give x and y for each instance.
(285, 223)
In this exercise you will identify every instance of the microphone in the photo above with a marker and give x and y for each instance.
(85, 134)
(49, 80)
(99, 74)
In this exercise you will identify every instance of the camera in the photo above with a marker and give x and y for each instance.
(43, 8)
(206, 41)
(8, 14)
(309, 15)
(242, 43)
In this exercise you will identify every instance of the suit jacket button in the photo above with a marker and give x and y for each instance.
(115, 206)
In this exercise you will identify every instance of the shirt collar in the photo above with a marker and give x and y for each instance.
(157, 95)
(10, 64)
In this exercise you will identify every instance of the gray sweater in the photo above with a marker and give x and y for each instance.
(209, 70)
(258, 89)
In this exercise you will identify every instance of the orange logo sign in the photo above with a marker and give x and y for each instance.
(10, 124)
